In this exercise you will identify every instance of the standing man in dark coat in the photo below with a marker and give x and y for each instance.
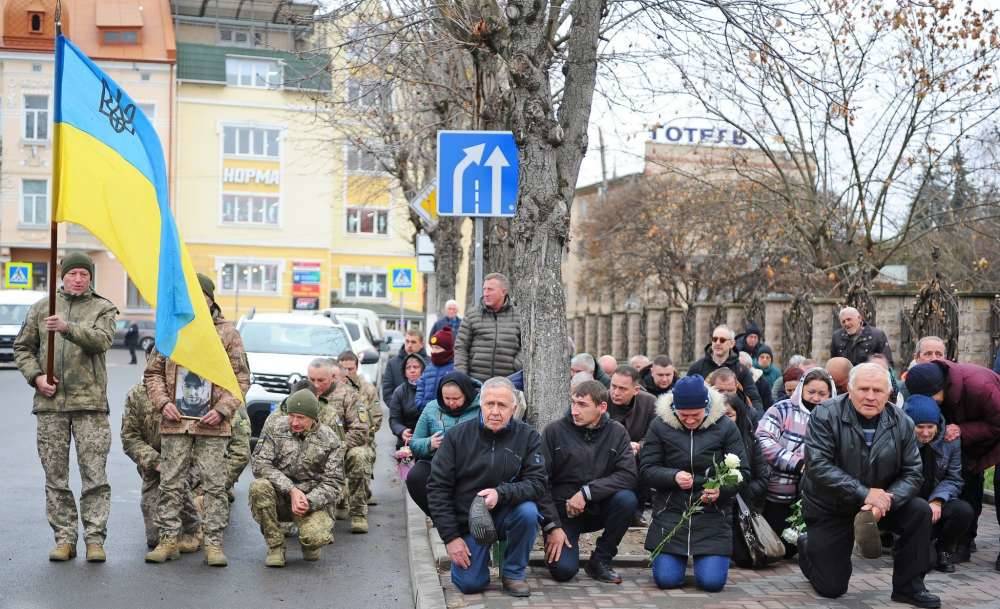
(856, 340)
(863, 466)
(489, 338)
(721, 354)
(132, 340)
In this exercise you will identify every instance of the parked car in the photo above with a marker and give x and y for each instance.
(14, 305)
(147, 332)
(367, 317)
(362, 345)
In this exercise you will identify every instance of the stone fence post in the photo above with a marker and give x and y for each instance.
(618, 337)
(774, 312)
(590, 333)
(974, 327)
(577, 330)
(824, 311)
(703, 312)
(657, 331)
(603, 335)
(736, 317)
(676, 345)
(888, 312)
(634, 343)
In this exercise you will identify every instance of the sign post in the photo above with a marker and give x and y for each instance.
(470, 186)
(401, 280)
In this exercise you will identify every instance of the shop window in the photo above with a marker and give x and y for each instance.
(250, 277)
(365, 285)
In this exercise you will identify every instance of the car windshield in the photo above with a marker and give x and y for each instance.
(352, 328)
(13, 314)
(293, 339)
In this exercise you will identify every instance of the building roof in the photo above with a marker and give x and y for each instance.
(207, 63)
(267, 11)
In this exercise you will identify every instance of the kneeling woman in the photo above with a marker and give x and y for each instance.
(687, 438)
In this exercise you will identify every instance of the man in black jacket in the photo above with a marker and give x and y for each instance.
(634, 408)
(659, 376)
(863, 466)
(856, 340)
(500, 459)
(394, 376)
(592, 477)
(721, 354)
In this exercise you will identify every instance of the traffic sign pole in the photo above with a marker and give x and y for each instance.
(478, 260)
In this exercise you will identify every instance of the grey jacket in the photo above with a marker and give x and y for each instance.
(489, 343)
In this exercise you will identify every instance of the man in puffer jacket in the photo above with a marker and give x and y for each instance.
(489, 339)
(442, 348)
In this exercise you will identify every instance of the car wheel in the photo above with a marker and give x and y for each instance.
(146, 343)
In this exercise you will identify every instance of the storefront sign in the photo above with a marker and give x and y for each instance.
(305, 303)
(677, 134)
(306, 277)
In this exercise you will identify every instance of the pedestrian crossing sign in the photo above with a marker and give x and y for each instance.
(17, 275)
(402, 278)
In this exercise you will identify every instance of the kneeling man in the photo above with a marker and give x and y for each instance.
(487, 477)
(592, 481)
(299, 466)
(863, 466)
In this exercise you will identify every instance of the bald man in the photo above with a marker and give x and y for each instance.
(856, 340)
(839, 369)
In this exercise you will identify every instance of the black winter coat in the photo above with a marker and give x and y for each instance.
(707, 365)
(670, 448)
(598, 461)
(489, 343)
(857, 348)
(403, 411)
(472, 458)
(393, 375)
(840, 468)
(636, 417)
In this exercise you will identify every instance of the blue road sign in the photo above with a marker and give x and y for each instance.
(477, 173)
(402, 278)
(18, 275)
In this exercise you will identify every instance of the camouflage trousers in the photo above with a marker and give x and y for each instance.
(270, 509)
(358, 465)
(190, 516)
(91, 433)
(177, 452)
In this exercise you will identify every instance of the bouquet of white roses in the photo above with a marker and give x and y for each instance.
(796, 524)
(727, 475)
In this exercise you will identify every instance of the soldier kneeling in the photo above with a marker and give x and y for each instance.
(298, 464)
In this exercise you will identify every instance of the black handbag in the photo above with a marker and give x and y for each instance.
(763, 544)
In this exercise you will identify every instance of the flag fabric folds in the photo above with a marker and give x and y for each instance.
(110, 178)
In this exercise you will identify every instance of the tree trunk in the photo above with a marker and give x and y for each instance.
(447, 238)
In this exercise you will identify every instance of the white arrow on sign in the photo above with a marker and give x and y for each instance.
(497, 161)
(473, 154)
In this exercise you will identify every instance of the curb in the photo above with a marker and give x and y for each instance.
(424, 581)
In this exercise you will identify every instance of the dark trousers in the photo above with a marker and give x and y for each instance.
(614, 514)
(826, 562)
(972, 493)
(957, 517)
(776, 515)
(416, 484)
(131, 351)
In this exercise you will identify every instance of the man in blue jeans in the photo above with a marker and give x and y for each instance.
(592, 481)
(497, 461)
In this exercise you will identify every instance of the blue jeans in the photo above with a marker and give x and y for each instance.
(517, 525)
(710, 571)
(613, 515)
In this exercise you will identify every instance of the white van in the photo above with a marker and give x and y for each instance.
(14, 305)
(367, 317)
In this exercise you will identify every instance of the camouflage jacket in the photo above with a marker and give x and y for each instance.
(370, 407)
(79, 362)
(161, 382)
(312, 462)
(141, 437)
(339, 409)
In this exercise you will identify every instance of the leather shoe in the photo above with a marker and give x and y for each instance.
(943, 563)
(918, 598)
(516, 587)
(961, 554)
(602, 572)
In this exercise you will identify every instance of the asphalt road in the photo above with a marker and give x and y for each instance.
(357, 571)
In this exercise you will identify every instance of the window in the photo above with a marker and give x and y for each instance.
(36, 117)
(35, 23)
(261, 73)
(361, 160)
(239, 37)
(365, 285)
(365, 42)
(367, 221)
(250, 277)
(34, 202)
(120, 36)
(149, 110)
(133, 299)
(249, 209)
(365, 94)
(250, 141)
(40, 275)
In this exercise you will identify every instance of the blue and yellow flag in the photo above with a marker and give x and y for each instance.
(110, 178)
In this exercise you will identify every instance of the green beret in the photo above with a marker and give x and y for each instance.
(303, 402)
(76, 260)
(207, 285)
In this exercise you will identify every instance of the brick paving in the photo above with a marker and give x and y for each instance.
(976, 585)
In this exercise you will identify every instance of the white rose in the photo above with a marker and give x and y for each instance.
(731, 461)
(738, 475)
(790, 535)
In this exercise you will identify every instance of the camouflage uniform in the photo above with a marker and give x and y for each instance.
(237, 454)
(361, 464)
(77, 411)
(141, 441)
(312, 462)
(186, 441)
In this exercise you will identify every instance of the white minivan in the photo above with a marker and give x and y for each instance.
(14, 305)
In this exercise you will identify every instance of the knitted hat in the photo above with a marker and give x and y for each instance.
(925, 379)
(752, 328)
(207, 285)
(690, 393)
(76, 260)
(922, 409)
(793, 373)
(445, 339)
(303, 402)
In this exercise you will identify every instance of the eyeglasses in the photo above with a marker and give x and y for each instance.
(719, 339)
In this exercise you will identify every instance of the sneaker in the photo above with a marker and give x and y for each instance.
(481, 523)
(866, 534)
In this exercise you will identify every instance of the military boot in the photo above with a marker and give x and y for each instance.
(188, 543)
(214, 556)
(95, 553)
(311, 554)
(164, 551)
(275, 557)
(62, 552)
(341, 513)
(359, 524)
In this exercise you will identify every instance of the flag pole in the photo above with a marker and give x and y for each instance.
(53, 226)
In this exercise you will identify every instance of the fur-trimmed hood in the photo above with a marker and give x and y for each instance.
(716, 410)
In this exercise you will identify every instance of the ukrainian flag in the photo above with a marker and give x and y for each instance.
(110, 177)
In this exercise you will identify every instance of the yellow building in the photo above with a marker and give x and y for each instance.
(271, 201)
(133, 42)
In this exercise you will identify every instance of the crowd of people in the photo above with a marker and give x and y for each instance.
(870, 454)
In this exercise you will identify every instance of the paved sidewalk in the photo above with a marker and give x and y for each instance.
(976, 585)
